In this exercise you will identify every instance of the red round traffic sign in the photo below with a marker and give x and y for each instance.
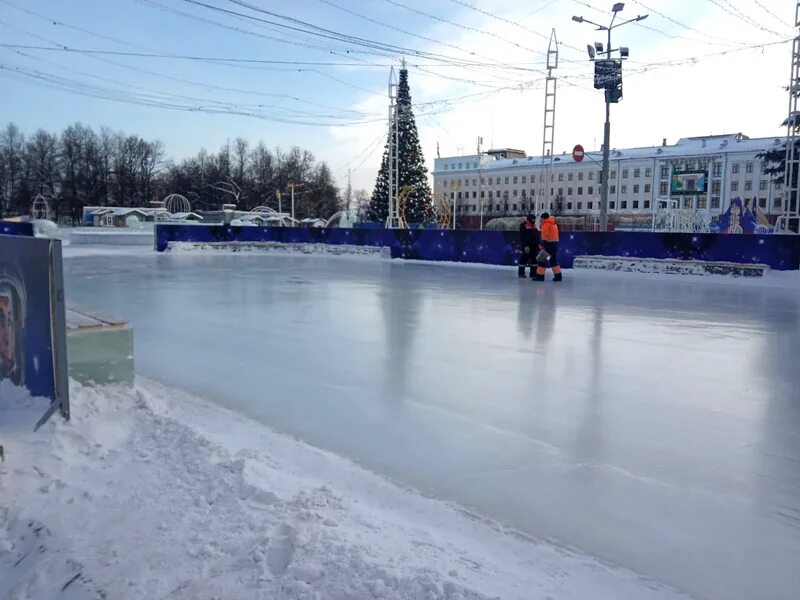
(578, 153)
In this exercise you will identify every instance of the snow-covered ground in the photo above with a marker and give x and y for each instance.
(153, 493)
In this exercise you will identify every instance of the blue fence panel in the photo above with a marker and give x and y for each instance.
(780, 252)
(30, 299)
(16, 228)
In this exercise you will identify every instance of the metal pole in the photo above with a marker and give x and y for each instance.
(291, 185)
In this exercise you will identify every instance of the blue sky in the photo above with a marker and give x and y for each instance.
(500, 99)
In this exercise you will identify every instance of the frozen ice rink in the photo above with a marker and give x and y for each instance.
(651, 422)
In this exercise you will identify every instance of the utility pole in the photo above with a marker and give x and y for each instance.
(291, 187)
(278, 194)
(549, 131)
(789, 221)
(393, 217)
(608, 77)
(349, 193)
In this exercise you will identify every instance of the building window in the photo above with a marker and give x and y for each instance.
(635, 204)
(580, 191)
(569, 177)
(506, 180)
(591, 175)
(734, 186)
(637, 173)
(612, 205)
(762, 185)
(748, 168)
(483, 194)
(701, 202)
(474, 194)
(514, 207)
(777, 202)
(648, 172)
(687, 202)
(647, 203)
(715, 187)
(569, 191)
(569, 205)
(623, 205)
(762, 202)
(474, 181)
(580, 205)
(624, 173)
(514, 193)
(580, 176)
(515, 179)
(589, 205)
(561, 177)
(444, 182)
(522, 193)
(524, 179)
(490, 181)
(714, 201)
(717, 169)
(662, 190)
(560, 191)
(748, 186)
(735, 168)
(483, 180)
(474, 165)
(490, 194)
(624, 189)
(532, 193)
(612, 189)
(664, 172)
(613, 174)
(460, 165)
(636, 189)
(647, 188)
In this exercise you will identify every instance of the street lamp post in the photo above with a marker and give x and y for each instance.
(609, 78)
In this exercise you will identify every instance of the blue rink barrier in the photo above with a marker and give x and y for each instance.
(33, 351)
(781, 252)
(16, 228)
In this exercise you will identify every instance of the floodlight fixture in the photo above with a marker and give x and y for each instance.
(618, 7)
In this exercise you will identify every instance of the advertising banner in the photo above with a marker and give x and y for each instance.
(32, 321)
(16, 228)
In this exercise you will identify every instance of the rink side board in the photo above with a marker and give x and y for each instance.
(33, 328)
(780, 252)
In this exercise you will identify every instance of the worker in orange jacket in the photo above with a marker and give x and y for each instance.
(549, 244)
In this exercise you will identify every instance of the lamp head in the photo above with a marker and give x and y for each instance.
(577, 19)
(618, 7)
(599, 47)
(590, 50)
(624, 52)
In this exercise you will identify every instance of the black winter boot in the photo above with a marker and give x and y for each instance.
(538, 277)
(557, 277)
(521, 272)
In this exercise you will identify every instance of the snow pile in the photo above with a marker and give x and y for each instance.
(152, 493)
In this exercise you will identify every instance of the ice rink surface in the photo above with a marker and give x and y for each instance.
(652, 422)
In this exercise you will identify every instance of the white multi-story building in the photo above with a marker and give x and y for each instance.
(642, 180)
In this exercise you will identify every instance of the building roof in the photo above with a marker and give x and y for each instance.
(692, 146)
(182, 216)
(121, 212)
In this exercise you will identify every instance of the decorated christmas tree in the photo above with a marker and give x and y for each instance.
(418, 204)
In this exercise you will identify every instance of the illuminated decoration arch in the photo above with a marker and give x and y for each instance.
(176, 203)
(444, 209)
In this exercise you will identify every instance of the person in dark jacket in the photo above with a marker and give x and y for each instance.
(529, 240)
(549, 244)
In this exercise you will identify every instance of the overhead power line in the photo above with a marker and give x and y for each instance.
(509, 22)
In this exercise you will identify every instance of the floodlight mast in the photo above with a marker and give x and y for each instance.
(611, 95)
